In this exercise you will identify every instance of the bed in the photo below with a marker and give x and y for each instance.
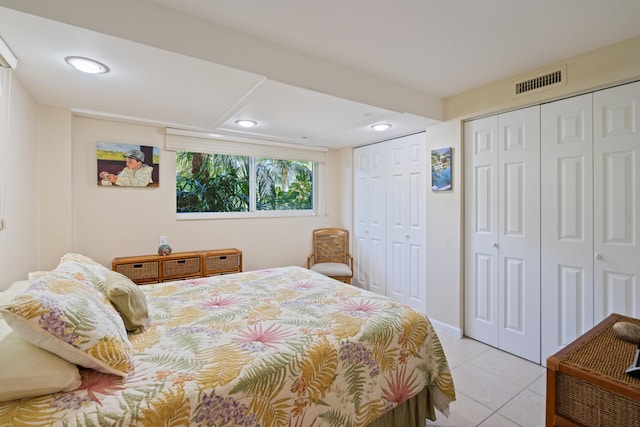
(277, 347)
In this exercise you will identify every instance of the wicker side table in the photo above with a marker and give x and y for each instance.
(586, 382)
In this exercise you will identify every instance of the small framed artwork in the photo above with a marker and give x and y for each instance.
(441, 169)
(126, 165)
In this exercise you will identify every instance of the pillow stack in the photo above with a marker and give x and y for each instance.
(68, 313)
(27, 370)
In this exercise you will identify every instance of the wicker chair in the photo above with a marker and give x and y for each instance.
(331, 254)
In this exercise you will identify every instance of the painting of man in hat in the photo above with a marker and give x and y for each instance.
(136, 172)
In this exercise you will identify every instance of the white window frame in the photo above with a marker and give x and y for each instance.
(199, 142)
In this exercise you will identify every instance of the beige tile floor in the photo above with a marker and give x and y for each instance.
(493, 388)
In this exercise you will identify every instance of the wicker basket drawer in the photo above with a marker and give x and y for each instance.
(181, 267)
(591, 405)
(148, 270)
(217, 263)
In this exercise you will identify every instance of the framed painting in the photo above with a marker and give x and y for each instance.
(441, 169)
(126, 165)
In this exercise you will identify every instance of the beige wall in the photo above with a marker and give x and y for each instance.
(55, 186)
(18, 182)
(615, 64)
(73, 214)
(105, 222)
(444, 225)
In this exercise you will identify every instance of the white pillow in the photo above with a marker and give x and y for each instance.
(15, 289)
(29, 371)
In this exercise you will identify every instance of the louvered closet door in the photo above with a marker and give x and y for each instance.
(617, 201)
(369, 218)
(406, 216)
(481, 230)
(566, 222)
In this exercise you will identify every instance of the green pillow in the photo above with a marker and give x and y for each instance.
(129, 300)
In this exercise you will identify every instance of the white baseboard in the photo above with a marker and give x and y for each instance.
(444, 328)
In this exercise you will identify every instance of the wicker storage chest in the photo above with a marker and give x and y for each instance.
(587, 384)
(147, 269)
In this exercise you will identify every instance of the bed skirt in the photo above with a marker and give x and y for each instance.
(412, 413)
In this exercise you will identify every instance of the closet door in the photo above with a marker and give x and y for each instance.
(369, 217)
(406, 216)
(519, 233)
(502, 246)
(481, 230)
(617, 201)
(566, 222)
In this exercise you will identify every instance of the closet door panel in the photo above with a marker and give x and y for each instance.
(416, 252)
(617, 201)
(362, 191)
(377, 221)
(416, 232)
(369, 218)
(566, 222)
(396, 240)
(406, 216)
(481, 230)
(519, 233)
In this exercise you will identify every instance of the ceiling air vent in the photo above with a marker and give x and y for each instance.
(553, 78)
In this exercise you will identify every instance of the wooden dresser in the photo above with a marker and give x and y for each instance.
(146, 269)
(587, 384)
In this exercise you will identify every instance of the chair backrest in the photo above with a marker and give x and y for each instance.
(331, 245)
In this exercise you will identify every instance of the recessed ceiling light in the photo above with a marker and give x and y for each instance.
(86, 65)
(246, 123)
(381, 126)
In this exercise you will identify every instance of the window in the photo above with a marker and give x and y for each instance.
(232, 176)
(223, 183)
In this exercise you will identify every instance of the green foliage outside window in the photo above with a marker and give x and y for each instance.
(221, 183)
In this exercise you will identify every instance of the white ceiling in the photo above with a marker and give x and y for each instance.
(310, 72)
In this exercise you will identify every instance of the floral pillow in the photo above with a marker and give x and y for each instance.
(84, 269)
(72, 320)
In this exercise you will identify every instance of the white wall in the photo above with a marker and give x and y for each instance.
(445, 212)
(444, 233)
(55, 189)
(106, 222)
(18, 181)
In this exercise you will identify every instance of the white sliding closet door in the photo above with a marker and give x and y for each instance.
(369, 217)
(567, 221)
(406, 216)
(519, 233)
(588, 240)
(591, 205)
(617, 201)
(390, 184)
(502, 246)
(481, 230)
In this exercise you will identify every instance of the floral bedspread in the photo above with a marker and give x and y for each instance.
(281, 347)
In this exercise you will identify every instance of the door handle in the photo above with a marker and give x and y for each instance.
(496, 245)
(598, 256)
